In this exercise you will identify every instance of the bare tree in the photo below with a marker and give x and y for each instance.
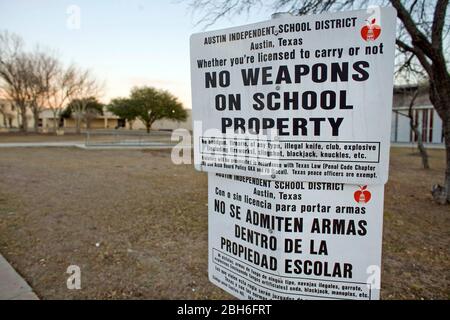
(37, 80)
(425, 27)
(60, 89)
(41, 70)
(13, 74)
(86, 86)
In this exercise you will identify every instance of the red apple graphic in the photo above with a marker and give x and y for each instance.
(362, 195)
(370, 31)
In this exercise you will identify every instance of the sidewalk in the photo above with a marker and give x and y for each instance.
(12, 285)
(414, 145)
(41, 144)
(82, 145)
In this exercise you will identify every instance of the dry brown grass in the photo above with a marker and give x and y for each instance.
(416, 236)
(150, 219)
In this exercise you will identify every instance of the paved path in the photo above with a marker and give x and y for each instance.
(81, 144)
(414, 145)
(42, 144)
(12, 285)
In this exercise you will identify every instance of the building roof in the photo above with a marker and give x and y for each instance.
(404, 93)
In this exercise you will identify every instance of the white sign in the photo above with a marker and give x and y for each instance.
(297, 98)
(294, 240)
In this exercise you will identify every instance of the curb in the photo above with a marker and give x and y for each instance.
(12, 285)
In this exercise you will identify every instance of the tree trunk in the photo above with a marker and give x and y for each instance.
(4, 120)
(77, 124)
(441, 194)
(55, 124)
(440, 98)
(423, 153)
(415, 128)
(36, 119)
(420, 146)
(18, 117)
(23, 115)
(148, 125)
(447, 148)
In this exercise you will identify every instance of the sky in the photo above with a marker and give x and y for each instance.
(125, 43)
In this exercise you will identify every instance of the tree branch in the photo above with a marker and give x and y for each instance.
(418, 38)
(438, 24)
(418, 53)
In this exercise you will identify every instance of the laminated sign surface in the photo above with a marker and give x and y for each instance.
(294, 240)
(297, 98)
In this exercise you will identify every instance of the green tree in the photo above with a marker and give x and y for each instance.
(91, 108)
(153, 104)
(124, 108)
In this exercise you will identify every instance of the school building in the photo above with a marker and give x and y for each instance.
(429, 122)
(10, 118)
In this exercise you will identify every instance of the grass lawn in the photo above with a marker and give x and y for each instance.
(137, 225)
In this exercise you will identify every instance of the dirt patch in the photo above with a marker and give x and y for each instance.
(137, 225)
(416, 233)
(147, 216)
